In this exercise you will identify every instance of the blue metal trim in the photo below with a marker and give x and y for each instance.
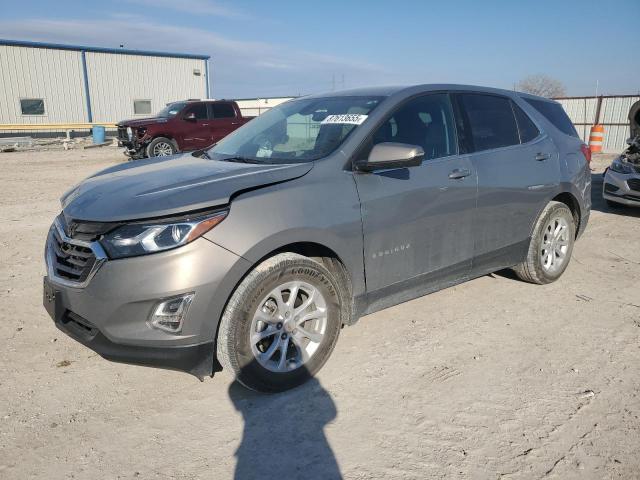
(121, 51)
(85, 77)
(206, 73)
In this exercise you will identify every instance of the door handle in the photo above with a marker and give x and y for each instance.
(205, 124)
(235, 123)
(540, 157)
(459, 173)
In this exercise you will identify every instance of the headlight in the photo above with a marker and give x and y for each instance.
(150, 237)
(621, 167)
(141, 131)
(129, 133)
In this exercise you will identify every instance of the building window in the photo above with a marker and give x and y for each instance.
(142, 107)
(32, 106)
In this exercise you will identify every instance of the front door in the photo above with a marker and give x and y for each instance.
(417, 221)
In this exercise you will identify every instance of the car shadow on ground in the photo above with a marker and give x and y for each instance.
(600, 205)
(283, 434)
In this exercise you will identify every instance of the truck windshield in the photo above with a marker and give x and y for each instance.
(296, 131)
(171, 110)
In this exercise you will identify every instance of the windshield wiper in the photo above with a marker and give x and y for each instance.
(240, 160)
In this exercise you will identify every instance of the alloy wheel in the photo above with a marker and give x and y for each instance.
(555, 244)
(288, 326)
(162, 149)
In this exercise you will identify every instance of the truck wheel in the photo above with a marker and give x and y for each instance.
(550, 247)
(161, 147)
(281, 323)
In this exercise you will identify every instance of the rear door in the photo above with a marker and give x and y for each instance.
(196, 132)
(517, 168)
(417, 222)
(223, 120)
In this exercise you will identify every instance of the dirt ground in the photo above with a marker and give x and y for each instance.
(493, 378)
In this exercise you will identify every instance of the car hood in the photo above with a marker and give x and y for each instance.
(140, 122)
(158, 187)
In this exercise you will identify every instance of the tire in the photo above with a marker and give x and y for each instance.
(252, 306)
(548, 267)
(161, 147)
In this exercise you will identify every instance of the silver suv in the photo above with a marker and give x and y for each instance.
(250, 256)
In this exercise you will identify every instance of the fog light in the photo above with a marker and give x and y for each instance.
(169, 314)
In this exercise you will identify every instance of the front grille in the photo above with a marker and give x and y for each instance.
(70, 262)
(122, 133)
(609, 188)
(634, 184)
(79, 324)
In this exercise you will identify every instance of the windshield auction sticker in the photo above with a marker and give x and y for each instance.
(345, 119)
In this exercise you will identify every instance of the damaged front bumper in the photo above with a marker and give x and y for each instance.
(133, 149)
(622, 188)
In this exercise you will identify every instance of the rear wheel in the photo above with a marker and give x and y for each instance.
(161, 147)
(550, 247)
(281, 323)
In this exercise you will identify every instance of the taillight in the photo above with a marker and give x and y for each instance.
(586, 151)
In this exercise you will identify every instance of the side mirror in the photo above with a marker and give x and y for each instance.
(392, 155)
(190, 117)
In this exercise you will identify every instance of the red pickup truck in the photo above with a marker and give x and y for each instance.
(180, 127)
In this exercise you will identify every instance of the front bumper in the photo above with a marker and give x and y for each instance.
(133, 148)
(616, 188)
(110, 313)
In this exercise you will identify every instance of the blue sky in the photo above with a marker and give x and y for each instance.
(271, 48)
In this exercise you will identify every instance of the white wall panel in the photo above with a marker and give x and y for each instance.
(252, 107)
(53, 75)
(115, 81)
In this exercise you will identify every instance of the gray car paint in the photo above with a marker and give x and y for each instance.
(357, 215)
(160, 187)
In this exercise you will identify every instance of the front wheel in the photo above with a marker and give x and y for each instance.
(550, 247)
(161, 147)
(281, 323)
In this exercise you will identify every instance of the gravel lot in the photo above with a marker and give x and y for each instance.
(493, 378)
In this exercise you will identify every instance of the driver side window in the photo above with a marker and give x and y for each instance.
(200, 111)
(425, 121)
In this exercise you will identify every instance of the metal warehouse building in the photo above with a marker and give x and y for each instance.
(44, 83)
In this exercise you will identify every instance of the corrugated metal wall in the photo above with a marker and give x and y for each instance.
(115, 81)
(614, 116)
(53, 75)
(252, 107)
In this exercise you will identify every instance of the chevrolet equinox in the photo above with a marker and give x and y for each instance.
(251, 256)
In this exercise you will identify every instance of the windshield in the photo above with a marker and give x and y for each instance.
(172, 109)
(296, 131)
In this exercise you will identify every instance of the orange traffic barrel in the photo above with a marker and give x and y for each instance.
(596, 137)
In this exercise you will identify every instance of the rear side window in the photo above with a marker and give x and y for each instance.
(528, 130)
(222, 110)
(555, 114)
(491, 121)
